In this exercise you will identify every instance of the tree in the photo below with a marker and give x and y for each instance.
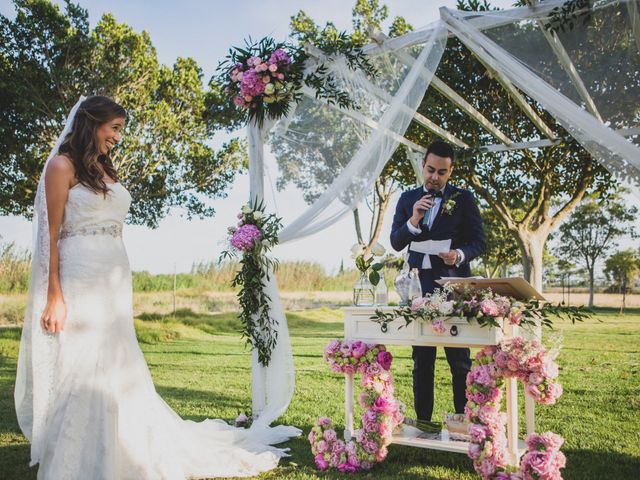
(299, 164)
(592, 230)
(48, 58)
(530, 191)
(502, 250)
(623, 268)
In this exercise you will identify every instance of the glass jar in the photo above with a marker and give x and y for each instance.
(401, 283)
(382, 292)
(363, 292)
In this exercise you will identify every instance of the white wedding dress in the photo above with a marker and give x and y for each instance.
(104, 419)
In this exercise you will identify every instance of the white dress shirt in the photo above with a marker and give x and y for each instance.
(426, 263)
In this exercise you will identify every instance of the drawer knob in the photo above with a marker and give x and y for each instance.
(453, 331)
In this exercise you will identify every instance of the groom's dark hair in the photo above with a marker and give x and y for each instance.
(441, 149)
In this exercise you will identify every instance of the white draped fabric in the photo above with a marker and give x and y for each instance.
(587, 77)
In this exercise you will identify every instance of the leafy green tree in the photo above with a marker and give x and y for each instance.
(48, 58)
(592, 230)
(623, 268)
(530, 191)
(502, 251)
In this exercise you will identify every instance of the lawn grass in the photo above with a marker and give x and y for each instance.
(202, 369)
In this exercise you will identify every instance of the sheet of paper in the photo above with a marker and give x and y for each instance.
(430, 247)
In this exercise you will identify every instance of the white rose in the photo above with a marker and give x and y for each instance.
(257, 215)
(446, 308)
(269, 88)
(377, 249)
(246, 209)
(357, 249)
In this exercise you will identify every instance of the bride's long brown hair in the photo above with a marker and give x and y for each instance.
(81, 145)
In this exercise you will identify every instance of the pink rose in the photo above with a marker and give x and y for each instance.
(273, 68)
(438, 327)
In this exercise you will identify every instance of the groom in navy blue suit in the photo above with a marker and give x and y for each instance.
(438, 211)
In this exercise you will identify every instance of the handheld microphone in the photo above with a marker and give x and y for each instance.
(427, 216)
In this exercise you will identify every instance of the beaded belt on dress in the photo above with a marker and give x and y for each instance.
(115, 230)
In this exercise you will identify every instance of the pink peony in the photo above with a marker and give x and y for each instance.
(486, 468)
(418, 303)
(489, 308)
(384, 359)
(477, 432)
(358, 349)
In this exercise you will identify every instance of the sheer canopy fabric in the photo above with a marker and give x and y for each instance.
(587, 77)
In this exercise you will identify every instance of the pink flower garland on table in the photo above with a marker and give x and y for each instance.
(530, 363)
(382, 411)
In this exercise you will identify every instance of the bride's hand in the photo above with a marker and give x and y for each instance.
(54, 316)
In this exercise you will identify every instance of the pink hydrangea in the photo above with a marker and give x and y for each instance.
(245, 237)
(279, 56)
(251, 84)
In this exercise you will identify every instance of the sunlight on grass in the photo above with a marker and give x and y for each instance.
(202, 368)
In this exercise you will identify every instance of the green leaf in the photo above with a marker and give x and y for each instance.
(374, 277)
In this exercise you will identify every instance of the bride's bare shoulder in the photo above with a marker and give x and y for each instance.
(60, 169)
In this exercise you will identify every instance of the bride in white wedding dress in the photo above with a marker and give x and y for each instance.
(84, 396)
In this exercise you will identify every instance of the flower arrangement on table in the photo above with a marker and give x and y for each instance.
(532, 364)
(252, 238)
(482, 306)
(382, 411)
(264, 78)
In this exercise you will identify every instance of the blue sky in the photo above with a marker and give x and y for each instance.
(205, 30)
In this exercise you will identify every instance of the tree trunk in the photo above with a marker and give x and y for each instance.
(591, 288)
(532, 247)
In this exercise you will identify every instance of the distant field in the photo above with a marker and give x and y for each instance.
(203, 301)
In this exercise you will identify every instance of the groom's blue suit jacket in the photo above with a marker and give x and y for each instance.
(463, 225)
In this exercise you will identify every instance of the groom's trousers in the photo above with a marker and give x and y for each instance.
(424, 359)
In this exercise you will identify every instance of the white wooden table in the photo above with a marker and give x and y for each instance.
(359, 326)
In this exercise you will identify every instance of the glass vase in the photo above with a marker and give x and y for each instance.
(364, 293)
